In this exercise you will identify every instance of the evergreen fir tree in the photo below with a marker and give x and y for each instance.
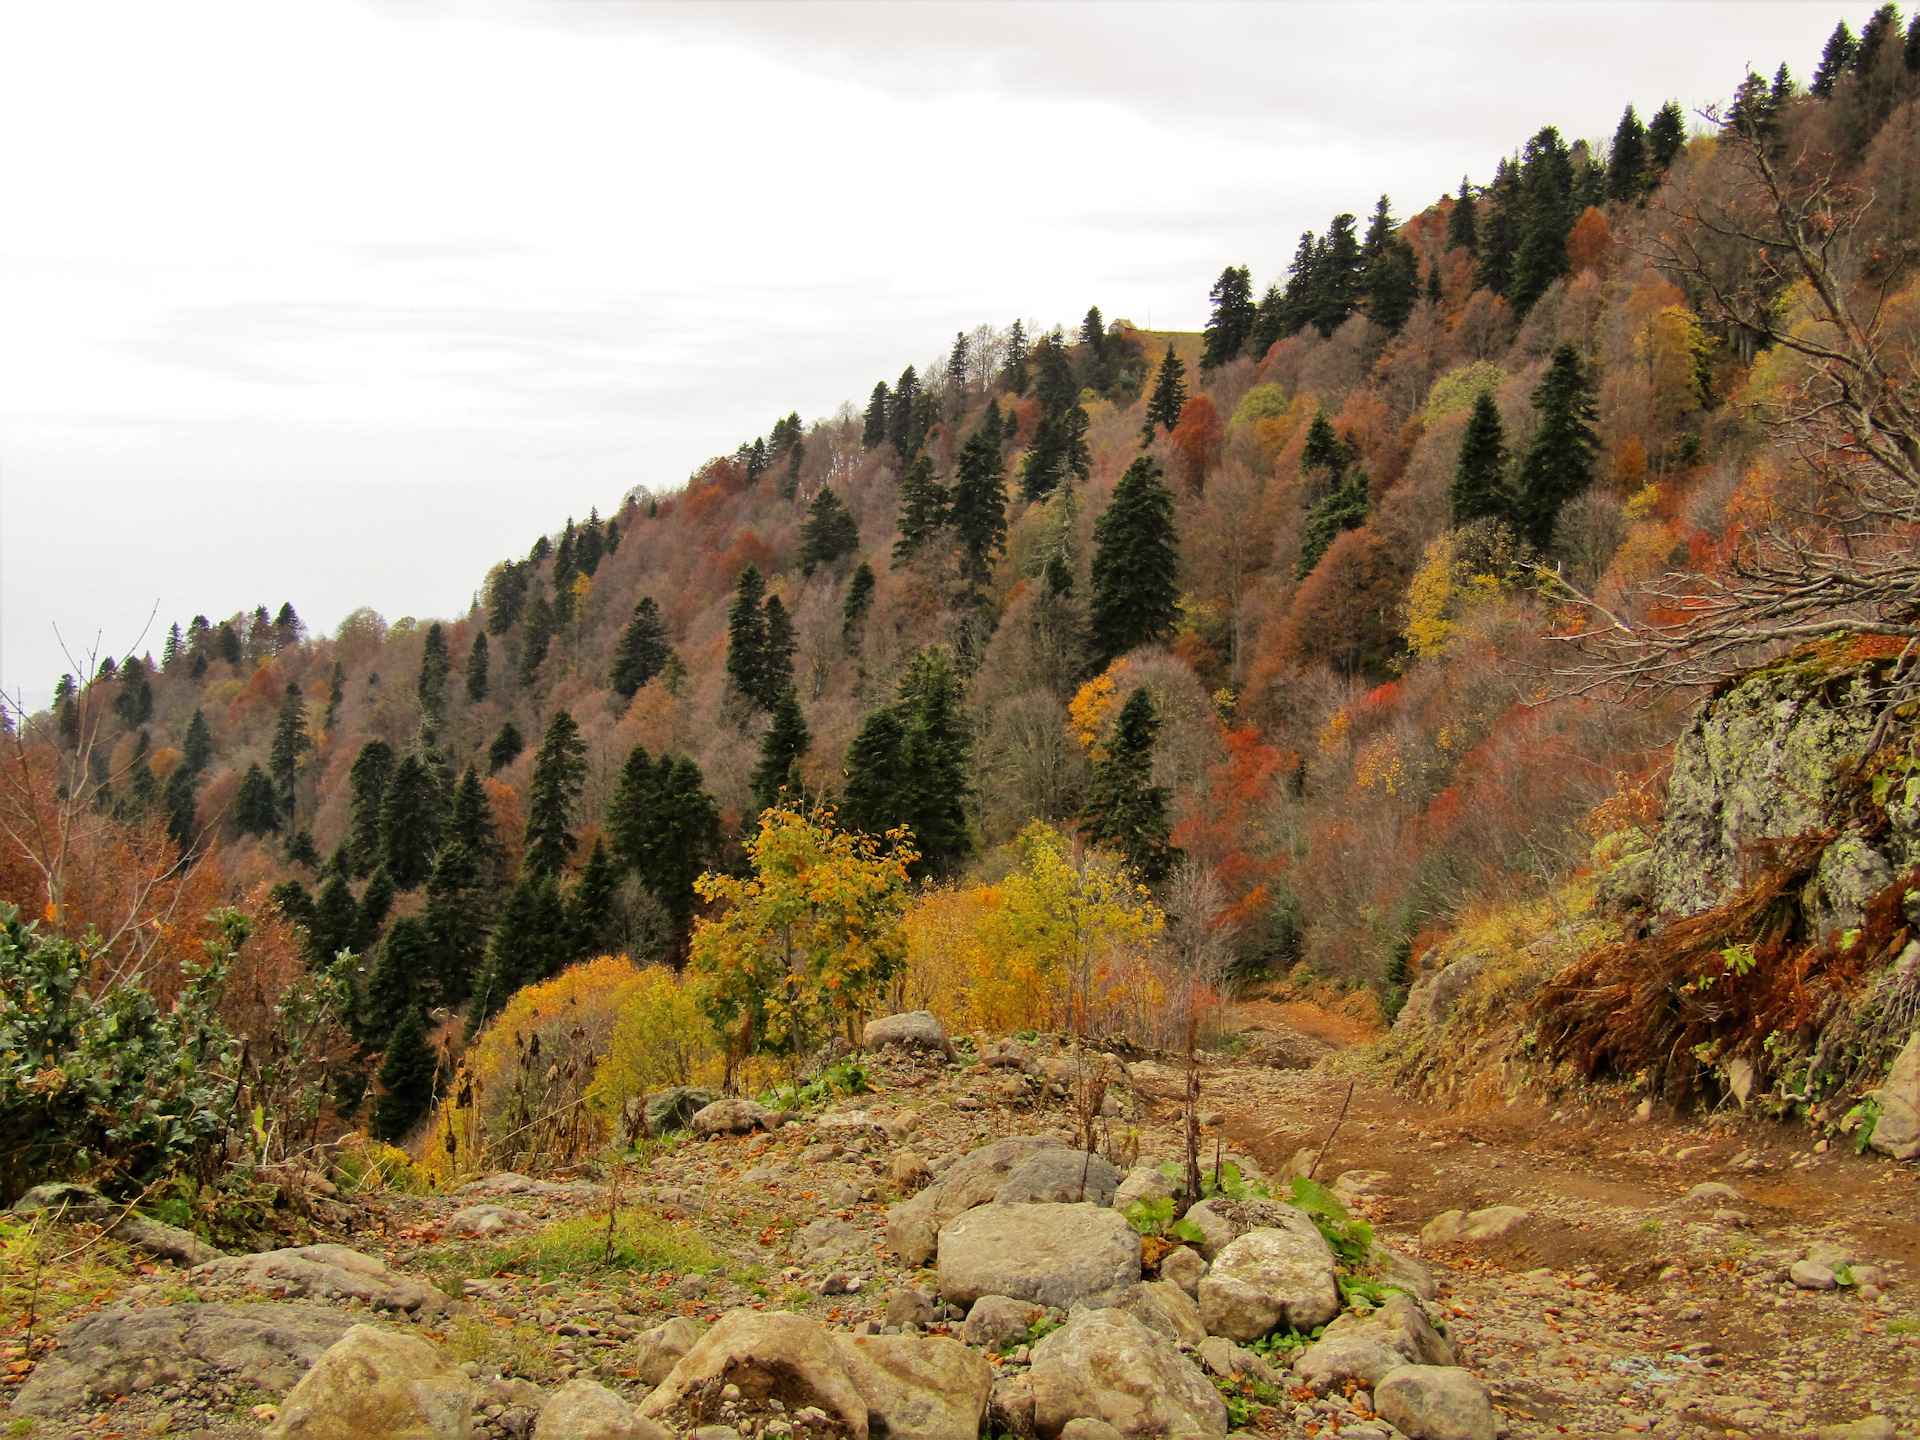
(566, 569)
(957, 367)
(936, 758)
(376, 902)
(1835, 60)
(142, 790)
(1169, 397)
(367, 789)
(436, 669)
(196, 749)
(1462, 232)
(1343, 508)
(1124, 807)
(506, 747)
(1667, 135)
(1232, 319)
(1391, 272)
(853, 611)
(641, 652)
(1100, 357)
(456, 922)
(923, 510)
(747, 637)
(589, 548)
(394, 988)
(256, 811)
(134, 702)
(1014, 376)
(336, 692)
(874, 433)
(478, 660)
(979, 506)
(1136, 564)
(1627, 160)
(1782, 90)
(290, 742)
(294, 902)
(170, 653)
(1546, 187)
(901, 414)
(536, 633)
(177, 802)
(559, 771)
(774, 780)
(1434, 293)
(302, 851)
(1558, 464)
(287, 627)
(1270, 323)
(470, 820)
(1479, 489)
(406, 1080)
(528, 945)
(1059, 452)
(1499, 230)
(633, 814)
(1911, 53)
(590, 903)
(411, 815)
(781, 643)
(1324, 452)
(226, 644)
(335, 921)
(830, 531)
(789, 485)
(506, 597)
(687, 841)
(871, 790)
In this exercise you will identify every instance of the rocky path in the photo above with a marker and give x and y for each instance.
(1596, 1276)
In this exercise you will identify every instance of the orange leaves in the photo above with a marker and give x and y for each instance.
(1196, 441)
(1590, 243)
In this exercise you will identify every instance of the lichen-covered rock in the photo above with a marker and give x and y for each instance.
(329, 1271)
(1393, 1268)
(1336, 1358)
(999, 1322)
(730, 1117)
(1400, 1325)
(1896, 1133)
(1431, 1000)
(375, 1384)
(1268, 1278)
(674, 1108)
(767, 1354)
(931, 1388)
(1143, 1182)
(1162, 1306)
(123, 1351)
(1185, 1267)
(1430, 1402)
(582, 1410)
(913, 1226)
(661, 1348)
(1105, 1365)
(1222, 1221)
(913, 1030)
(1057, 1255)
(1472, 1227)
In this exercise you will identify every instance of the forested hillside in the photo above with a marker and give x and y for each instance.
(1274, 615)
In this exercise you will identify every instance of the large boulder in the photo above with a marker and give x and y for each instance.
(662, 1347)
(378, 1385)
(930, 1389)
(769, 1355)
(1058, 1255)
(1163, 1306)
(1391, 1267)
(125, 1352)
(1336, 1358)
(913, 1226)
(1433, 999)
(914, 1030)
(731, 1117)
(999, 1322)
(674, 1108)
(67, 1200)
(1398, 1324)
(1431, 1402)
(1268, 1278)
(582, 1410)
(1897, 1131)
(1059, 1175)
(1105, 1365)
(1222, 1221)
(330, 1272)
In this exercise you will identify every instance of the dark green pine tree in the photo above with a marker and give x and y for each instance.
(923, 510)
(1499, 230)
(134, 702)
(957, 368)
(590, 903)
(1390, 271)
(1627, 160)
(1835, 61)
(1231, 322)
(478, 661)
(142, 791)
(456, 920)
(376, 902)
(1136, 564)
(197, 748)
(1546, 190)
(1434, 292)
(591, 546)
(1558, 464)
(436, 671)
(1053, 385)
(936, 759)
(775, 781)
(781, 643)
(1479, 490)
(506, 747)
(506, 596)
(874, 434)
(1100, 356)
(901, 416)
(336, 692)
(406, 1080)
(747, 637)
(291, 741)
(1015, 376)
(294, 902)
(559, 771)
(1667, 135)
(536, 634)
(255, 809)
(633, 814)
(642, 650)
(470, 820)
(871, 789)
(411, 815)
(1124, 808)
(853, 610)
(527, 946)
(664, 827)
(1338, 271)
(566, 569)
(335, 923)
(1462, 231)
(830, 531)
(403, 966)
(1343, 508)
(1169, 397)
(1325, 457)
(177, 803)
(979, 508)
(170, 652)
(1911, 53)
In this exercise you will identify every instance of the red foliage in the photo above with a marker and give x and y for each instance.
(1196, 442)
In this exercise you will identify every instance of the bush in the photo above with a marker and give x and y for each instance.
(107, 1086)
(662, 1037)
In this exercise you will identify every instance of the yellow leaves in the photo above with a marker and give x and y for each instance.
(1641, 503)
(1381, 763)
(1428, 598)
(1333, 735)
(1460, 572)
(1090, 708)
(1459, 389)
(582, 588)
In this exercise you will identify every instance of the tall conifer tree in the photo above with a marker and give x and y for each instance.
(923, 509)
(1232, 319)
(1559, 462)
(775, 779)
(559, 772)
(1627, 160)
(1479, 478)
(747, 666)
(979, 507)
(478, 661)
(411, 814)
(291, 743)
(1124, 807)
(1462, 231)
(1169, 397)
(406, 1080)
(436, 669)
(641, 652)
(1136, 564)
(830, 531)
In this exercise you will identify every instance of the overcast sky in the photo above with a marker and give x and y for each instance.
(339, 303)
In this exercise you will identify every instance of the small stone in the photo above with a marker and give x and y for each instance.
(1185, 1268)
(1809, 1276)
(907, 1306)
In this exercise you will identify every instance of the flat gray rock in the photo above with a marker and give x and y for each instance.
(1058, 1255)
(330, 1271)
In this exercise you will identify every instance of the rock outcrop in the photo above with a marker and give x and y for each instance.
(1056, 1255)
(376, 1384)
(1105, 1365)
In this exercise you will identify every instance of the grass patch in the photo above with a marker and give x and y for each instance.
(579, 1247)
(521, 1350)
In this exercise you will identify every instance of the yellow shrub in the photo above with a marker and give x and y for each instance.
(662, 1037)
